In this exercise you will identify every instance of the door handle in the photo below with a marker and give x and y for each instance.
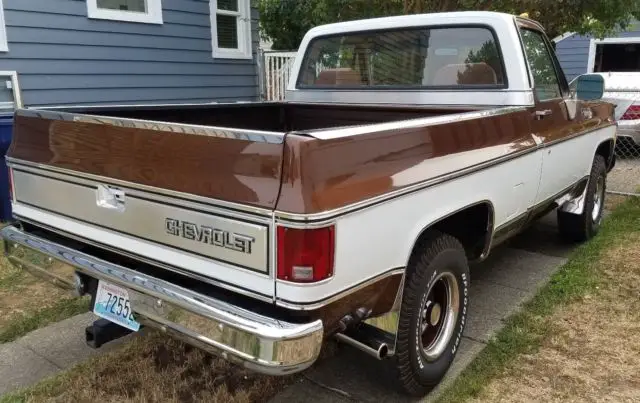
(542, 113)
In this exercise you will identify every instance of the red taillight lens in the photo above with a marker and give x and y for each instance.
(305, 255)
(633, 113)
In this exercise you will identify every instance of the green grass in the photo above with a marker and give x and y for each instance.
(27, 307)
(36, 319)
(11, 279)
(524, 332)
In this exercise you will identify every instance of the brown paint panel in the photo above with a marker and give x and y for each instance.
(320, 175)
(562, 125)
(378, 296)
(216, 167)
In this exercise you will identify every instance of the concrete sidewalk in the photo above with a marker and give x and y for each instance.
(510, 276)
(45, 352)
(499, 286)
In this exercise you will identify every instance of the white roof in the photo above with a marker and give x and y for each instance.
(453, 18)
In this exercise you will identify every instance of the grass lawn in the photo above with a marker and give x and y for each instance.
(579, 338)
(28, 302)
(154, 368)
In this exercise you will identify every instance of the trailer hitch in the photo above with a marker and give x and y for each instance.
(103, 331)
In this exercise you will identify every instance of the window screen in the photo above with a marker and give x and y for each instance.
(411, 57)
(124, 5)
(227, 24)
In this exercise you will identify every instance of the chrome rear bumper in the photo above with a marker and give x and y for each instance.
(258, 342)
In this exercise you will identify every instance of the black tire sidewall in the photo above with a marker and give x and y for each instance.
(453, 261)
(599, 170)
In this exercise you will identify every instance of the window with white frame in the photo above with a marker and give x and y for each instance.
(145, 11)
(4, 46)
(231, 29)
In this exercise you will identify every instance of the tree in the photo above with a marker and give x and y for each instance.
(286, 21)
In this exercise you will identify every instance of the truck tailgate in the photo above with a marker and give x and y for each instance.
(189, 197)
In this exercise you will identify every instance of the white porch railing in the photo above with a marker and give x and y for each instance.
(275, 73)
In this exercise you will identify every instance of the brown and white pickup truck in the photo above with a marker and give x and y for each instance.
(407, 147)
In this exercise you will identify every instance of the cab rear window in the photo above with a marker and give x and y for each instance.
(408, 57)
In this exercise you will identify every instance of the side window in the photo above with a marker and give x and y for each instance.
(545, 79)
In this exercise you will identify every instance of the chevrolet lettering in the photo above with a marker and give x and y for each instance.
(359, 200)
(213, 236)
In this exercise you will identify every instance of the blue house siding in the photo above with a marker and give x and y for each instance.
(63, 57)
(573, 51)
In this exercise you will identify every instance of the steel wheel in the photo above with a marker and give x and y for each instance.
(598, 200)
(439, 315)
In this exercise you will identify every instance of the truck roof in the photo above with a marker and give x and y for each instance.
(443, 18)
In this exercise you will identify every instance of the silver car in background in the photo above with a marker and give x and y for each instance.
(623, 90)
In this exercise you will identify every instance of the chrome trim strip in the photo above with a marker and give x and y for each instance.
(14, 162)
(156, 106)
(436, 98)
(316, 305)
(158, 126)
(330, 134)
(151, 262)
(578, 134)
(512, 221)
(265, 344)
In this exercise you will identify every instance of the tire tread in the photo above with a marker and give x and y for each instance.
(430, 246)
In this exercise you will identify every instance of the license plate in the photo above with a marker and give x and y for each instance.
(112, 303)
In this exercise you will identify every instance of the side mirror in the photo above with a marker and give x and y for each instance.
(589, 87)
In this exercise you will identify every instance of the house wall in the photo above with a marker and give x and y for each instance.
(573, 51)
(63, 57)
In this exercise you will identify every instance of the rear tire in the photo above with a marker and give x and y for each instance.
(433, 313)
(582, 227)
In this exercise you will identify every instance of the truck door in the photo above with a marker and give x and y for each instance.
(553, 121)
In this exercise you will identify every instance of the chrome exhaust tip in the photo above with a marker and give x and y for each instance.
(369, 339)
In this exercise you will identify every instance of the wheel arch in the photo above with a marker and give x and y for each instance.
(480, 215)
(607, 150)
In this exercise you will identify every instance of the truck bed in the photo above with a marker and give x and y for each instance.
(265, 116)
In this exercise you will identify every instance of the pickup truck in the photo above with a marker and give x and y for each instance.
(407, 148)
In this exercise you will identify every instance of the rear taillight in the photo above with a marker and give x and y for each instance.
(305, 255)
(633, 113)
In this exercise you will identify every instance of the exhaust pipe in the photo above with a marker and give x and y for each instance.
(370, 339)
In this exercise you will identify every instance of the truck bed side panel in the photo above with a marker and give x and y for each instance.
(323, 175)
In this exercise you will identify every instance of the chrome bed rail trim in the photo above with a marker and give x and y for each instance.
(418, 97)
(212, 131)
(258, 342)
(329, 134)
